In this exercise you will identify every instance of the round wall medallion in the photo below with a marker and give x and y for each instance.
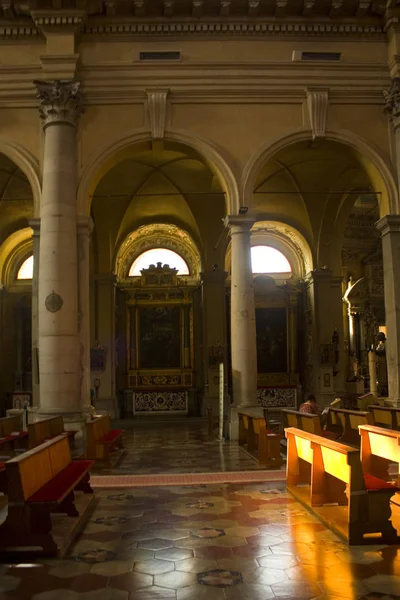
(53, 302)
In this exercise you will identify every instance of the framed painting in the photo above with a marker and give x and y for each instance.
(159, 337)
(272, 345)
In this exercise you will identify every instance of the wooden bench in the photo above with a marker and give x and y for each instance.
(11, 434)
(40, 482)
(379, 448)
(305, 421)
(347, 422)
(48, 429)
(101, 439)
(260, 440)
(386, 416)
(334, 475)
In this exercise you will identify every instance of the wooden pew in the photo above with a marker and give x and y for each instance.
(379, 448)
(101, 439)
(386, 416)
(47, 429)
(348, 421)
(334, 474)
(305, 421)
(260, 440)
(40, 482)
(11, 434)
(3, 478)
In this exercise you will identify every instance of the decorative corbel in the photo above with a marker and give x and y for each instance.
(317, 103)
(157, 112)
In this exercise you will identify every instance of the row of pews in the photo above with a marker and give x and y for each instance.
(48, 492)
(349, 488)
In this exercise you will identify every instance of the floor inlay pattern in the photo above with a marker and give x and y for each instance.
(234, 542)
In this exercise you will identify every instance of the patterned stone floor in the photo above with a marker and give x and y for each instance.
(177, 447)
(222, 542)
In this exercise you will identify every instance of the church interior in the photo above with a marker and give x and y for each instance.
(199, 300)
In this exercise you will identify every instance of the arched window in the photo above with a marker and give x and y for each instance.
(156, 255)
(265, 259)
(26, 269)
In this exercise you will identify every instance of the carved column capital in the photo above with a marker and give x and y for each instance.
(392, 102)
(60, 101)
(239, 223)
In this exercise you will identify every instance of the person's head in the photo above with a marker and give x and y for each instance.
(311, 398)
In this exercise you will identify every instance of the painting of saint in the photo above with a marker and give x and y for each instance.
(160, 337)
(271, 330)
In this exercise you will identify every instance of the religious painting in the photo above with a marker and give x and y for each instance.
(98, 359)
(271, 327)
(159, 337)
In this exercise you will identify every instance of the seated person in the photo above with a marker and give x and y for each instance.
(310, 405)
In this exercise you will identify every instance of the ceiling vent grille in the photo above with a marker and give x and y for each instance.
(316, 56)
(149, 56)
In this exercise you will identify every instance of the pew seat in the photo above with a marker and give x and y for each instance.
(42, 482)
(101, 439)
(327, 477)
(260, 440)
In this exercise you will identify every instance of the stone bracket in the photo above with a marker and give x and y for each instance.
(317, 104)
(157, 112)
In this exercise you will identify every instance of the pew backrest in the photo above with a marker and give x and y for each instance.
(99, 426)
(301, 420)
(381, 442)
(39, 431)
(30, 471)
(339, 460)
(10, 425)
(388, 416)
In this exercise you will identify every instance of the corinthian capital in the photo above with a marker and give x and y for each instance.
(60, 101)
(392, 102)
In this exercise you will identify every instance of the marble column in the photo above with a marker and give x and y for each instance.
(389, 227)
(85, 228)
(58, 336)
(214, 332)
(35, 225)
(243, 316)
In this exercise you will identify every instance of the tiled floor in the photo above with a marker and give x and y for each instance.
(225, 542)
(215, 542)
(177, 447)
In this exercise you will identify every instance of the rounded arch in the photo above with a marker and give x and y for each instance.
(110, 154)
(28, 165)
(157, 235)
(285, 238)
(13, 251)
(371, 158)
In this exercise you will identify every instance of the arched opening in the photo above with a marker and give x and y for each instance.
(265, 259)
(326, 191)
(25, 271)
(155, 256)
(16, 210)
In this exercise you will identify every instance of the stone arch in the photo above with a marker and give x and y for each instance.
(110, 154)
(13, 251)
(157, 235)
(28, 165)
(372, 159)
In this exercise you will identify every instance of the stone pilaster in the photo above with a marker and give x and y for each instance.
(392, 109)
(389, 227)
(105, 332)
(243, 316)
(325, 311)
(58, 336)
(214, 332)
(85, 228)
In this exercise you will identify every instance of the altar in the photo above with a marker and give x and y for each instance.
(159, 341)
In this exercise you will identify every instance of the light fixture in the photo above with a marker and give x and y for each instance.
(243, 210)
